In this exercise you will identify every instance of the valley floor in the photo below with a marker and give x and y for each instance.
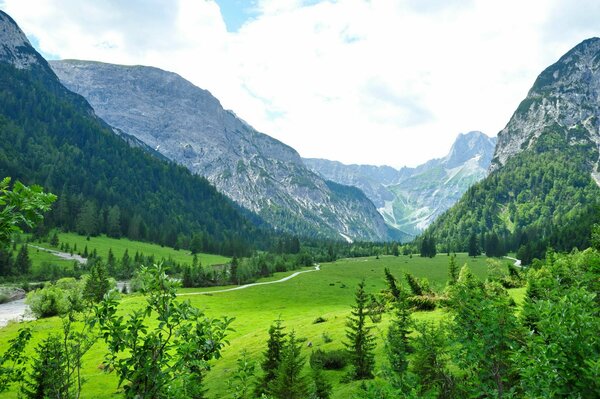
(298, 301)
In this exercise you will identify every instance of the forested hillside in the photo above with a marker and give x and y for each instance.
(542, 197)
(51, 137)
(543, 190)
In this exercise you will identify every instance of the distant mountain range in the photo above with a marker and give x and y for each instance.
(188, 125)
(409, 199)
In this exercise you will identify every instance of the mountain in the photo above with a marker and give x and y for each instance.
(189, 126)
(564, 98)
(409, 199)
(543, 186)
(105, 181)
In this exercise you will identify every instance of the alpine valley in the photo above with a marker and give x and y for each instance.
(154, 245)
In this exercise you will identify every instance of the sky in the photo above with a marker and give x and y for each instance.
(382, 82)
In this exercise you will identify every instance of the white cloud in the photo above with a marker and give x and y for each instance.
(381, 81)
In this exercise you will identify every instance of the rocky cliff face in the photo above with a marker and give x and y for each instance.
(15, 48)
(565, 97)
(189, 126)
(409, 199)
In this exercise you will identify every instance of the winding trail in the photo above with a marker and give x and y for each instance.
(517, 261)
(63, 255)
(241, 287)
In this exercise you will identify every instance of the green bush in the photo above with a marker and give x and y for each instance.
(330, 360)
(57, 299)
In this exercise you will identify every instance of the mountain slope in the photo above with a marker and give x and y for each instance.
(409, 199)
(189, 126)
(51, 136)
(540, 190)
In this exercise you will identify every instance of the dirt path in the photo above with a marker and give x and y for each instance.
(241, 287)
(63, 255)
(517, 261)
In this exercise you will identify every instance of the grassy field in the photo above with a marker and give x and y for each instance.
(327, 293)
(102, 244)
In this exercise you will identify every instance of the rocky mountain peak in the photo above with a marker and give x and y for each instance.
(564, 99)
(188, 125)
(468, 146)
(15, 48)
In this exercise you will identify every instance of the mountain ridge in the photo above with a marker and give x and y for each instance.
(189, 126)
(409, 199)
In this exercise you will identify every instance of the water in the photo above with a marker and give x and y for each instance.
(15, 310)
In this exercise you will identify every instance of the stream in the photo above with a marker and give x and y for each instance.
(15, 310)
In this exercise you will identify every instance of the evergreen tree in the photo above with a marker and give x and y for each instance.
(321, 388)
(452, 270)
(395, 250)
(87, 220)
(485, 331)
(196, 244)
(414, 285)
(22, 262)
(54, 240)
(97, 284)
(111, 263)
(49, 375)
(113, 222)
(430, 359)
(233, 271)
(126, 265)
(391, 282)
(361, 343)
(289, 383)
(473, 245)
(397, 344)
(272, 357)
(428, 248)
(6, 261)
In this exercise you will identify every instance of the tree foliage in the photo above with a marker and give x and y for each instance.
(162, 360)
(360, 341)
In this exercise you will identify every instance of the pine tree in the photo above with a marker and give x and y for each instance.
(473, 246)
(113, 222)
(97, 284)
(321, 388)
(111, 263)
(126, 266)
(361, 342)
(22, 262)
(391, 282)
(54, 239)
(272, 357)
(397, 344)
(452, 270)
(87, 220)
(233, 271)
(196, 244)
(49, 376)
(289, 383)
(414, 285)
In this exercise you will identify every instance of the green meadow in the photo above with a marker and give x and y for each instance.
(327, 293)
(102, 244)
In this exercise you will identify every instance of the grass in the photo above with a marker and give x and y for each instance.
(328, 293)
(102, 244)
